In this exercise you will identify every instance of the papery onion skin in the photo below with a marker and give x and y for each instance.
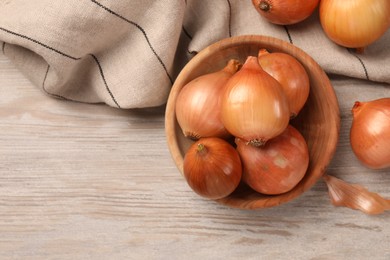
(284, 12)
(370, 133)
(355, 196)
(278, 166)
(291, 74)
(354, 23)
(198, 104)
(254, 107)
(212, 168)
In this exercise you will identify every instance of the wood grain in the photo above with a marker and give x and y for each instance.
(81, 181)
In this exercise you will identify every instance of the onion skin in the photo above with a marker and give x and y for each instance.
(290, 73)
(370, 133)
(284, 12)
(354, 23)
(254, 107)
(278, 166)
(212, 168)
(354, 196)
(198, 104)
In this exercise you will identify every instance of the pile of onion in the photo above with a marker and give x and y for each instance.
(239, 118)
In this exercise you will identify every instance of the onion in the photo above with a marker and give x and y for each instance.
(290, 73)
(285, 12)
(198, 104)
(254, 107)
(370, 133)
(278, 166)
(355, 23)
(212, 168)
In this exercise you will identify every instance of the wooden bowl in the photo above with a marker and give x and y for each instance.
(318, 121)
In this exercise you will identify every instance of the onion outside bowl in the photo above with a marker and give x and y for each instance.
(318, 121)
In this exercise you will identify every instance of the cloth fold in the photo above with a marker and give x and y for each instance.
(127, 54)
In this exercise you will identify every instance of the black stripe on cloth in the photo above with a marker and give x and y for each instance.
(186, 33)
(142, 31)
(352, 51)
(56, 95)
(104, 80)
(47, 92)
(190, 37)
(3, 48)
(40, 43)
(288, 34)
(65, 55)
(44, 88)
(230, 18)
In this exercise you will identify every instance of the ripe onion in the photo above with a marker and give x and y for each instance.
(254, 107)
(290, 73)
(198, 104)
(370, 133)
(354, 23)
(285, 12)
(278, 166)
(212, 168)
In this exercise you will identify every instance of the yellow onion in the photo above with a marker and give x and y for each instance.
(370, 133)
(285, 12)
(212, 168)
(355, 23)
(198, 104)
(254, 107)
(290, 73)
(276, 167)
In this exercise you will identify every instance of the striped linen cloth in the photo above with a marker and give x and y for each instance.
(127, 54)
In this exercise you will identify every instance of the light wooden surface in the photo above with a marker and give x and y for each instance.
(81, 181)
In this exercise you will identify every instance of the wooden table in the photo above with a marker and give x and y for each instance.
(81, 181)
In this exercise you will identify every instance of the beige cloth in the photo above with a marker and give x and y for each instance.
(128, 53)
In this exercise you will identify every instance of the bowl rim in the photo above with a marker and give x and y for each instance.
(171, 125)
